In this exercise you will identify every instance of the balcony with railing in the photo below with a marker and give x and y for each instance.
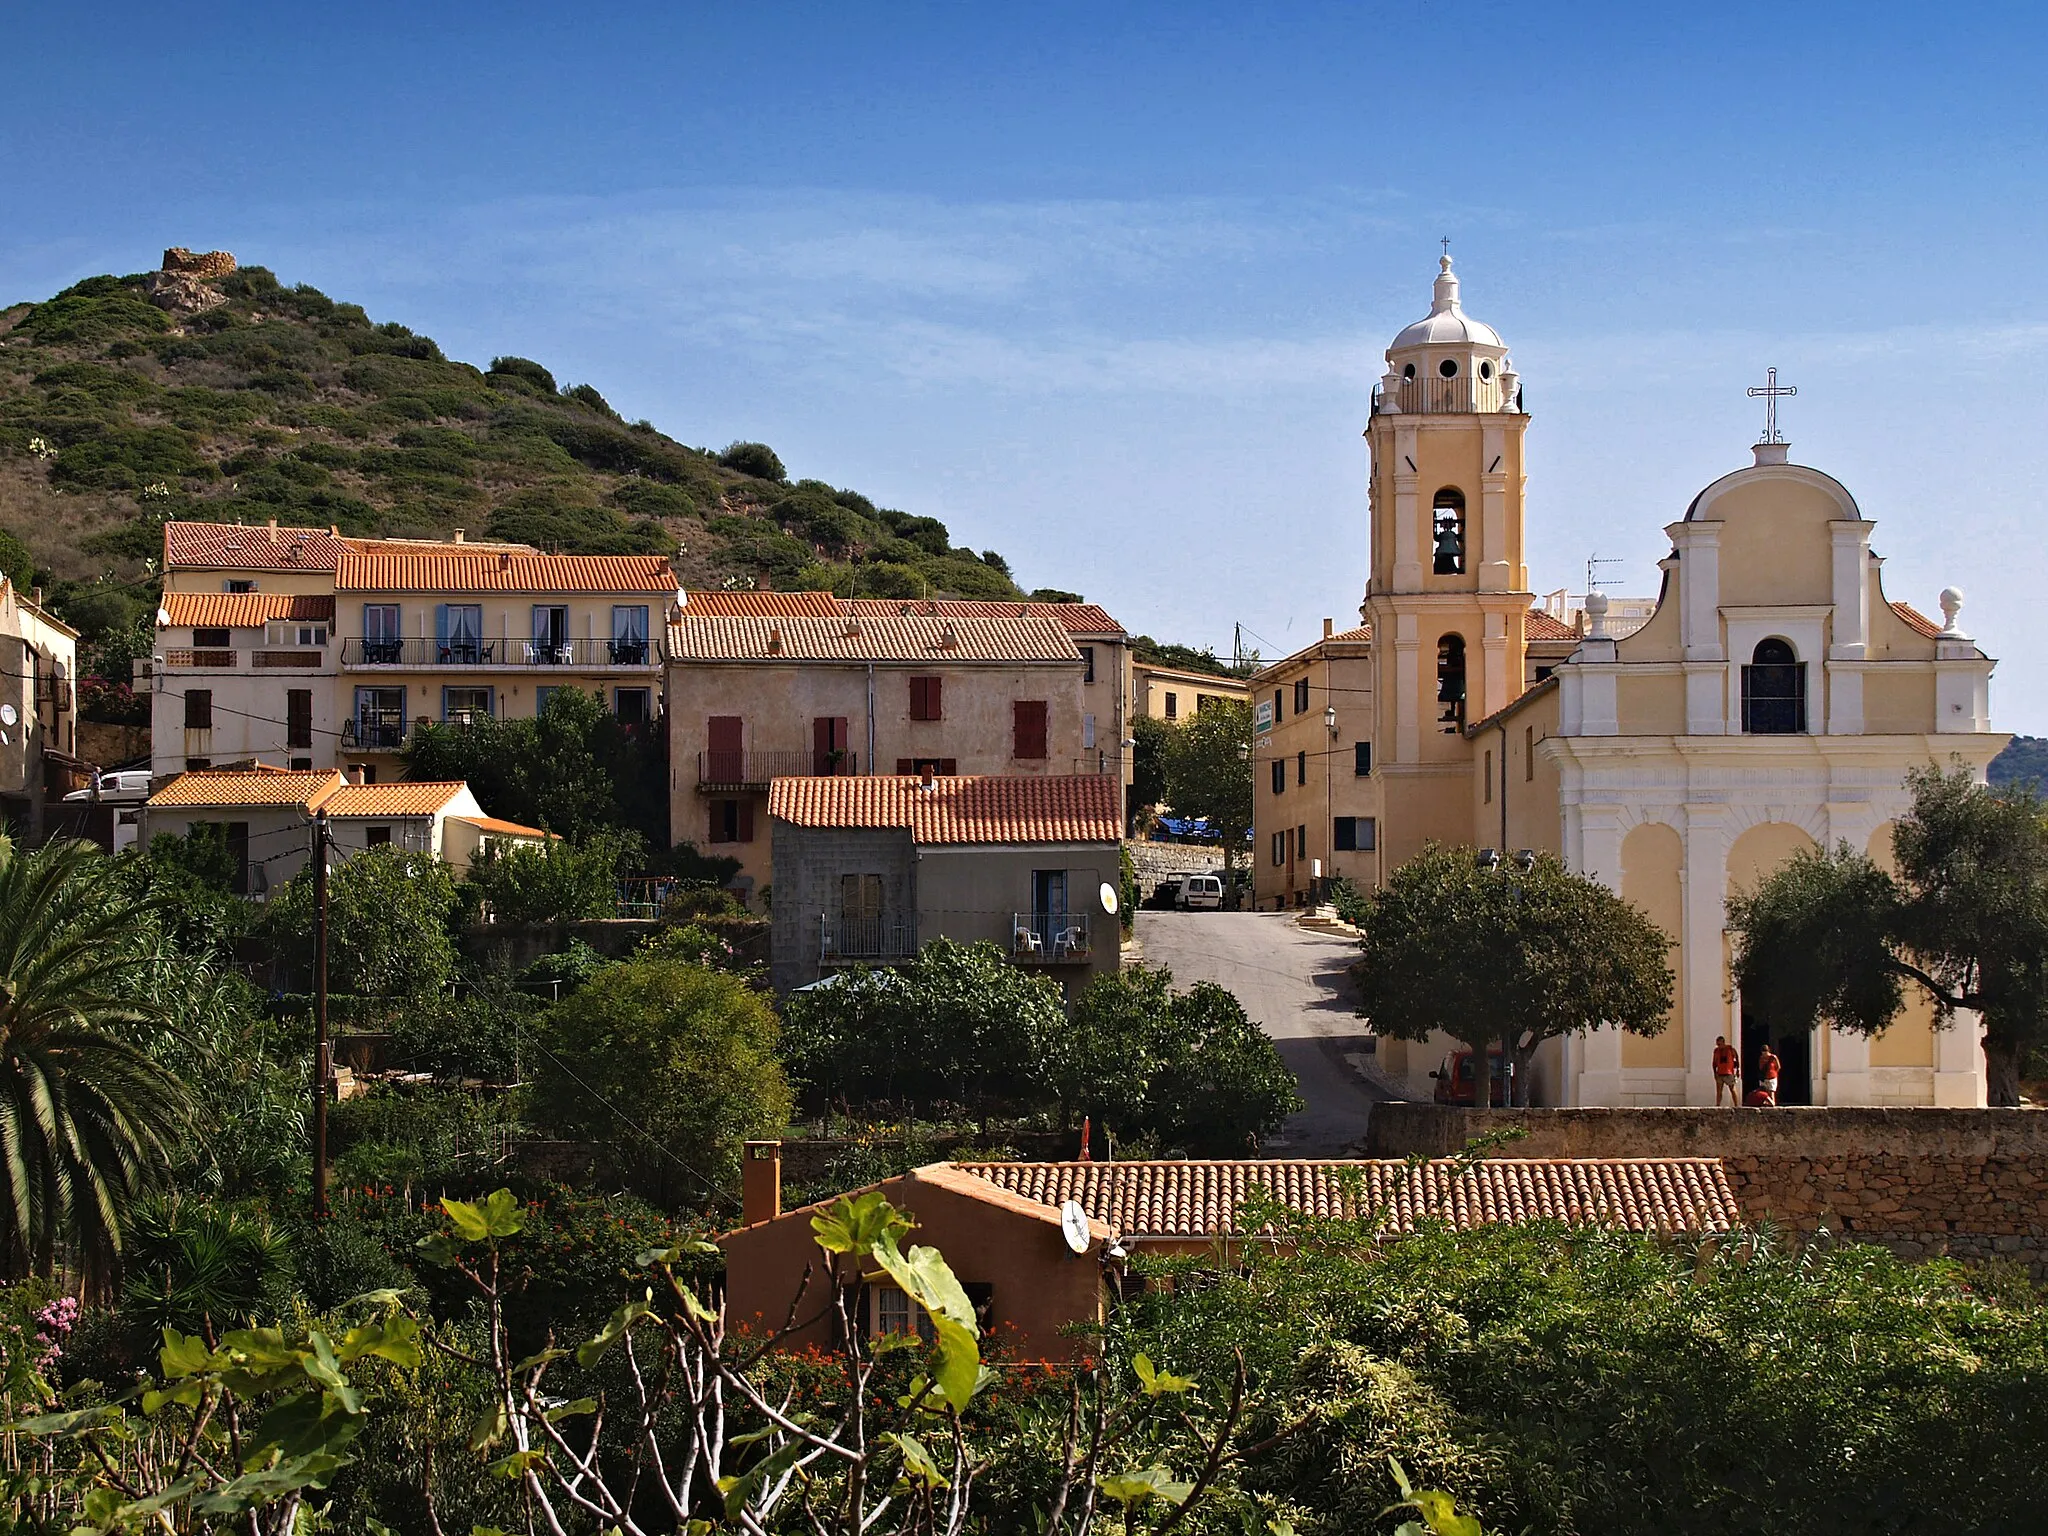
(1465, 394)
(1049, 938)
(753, 770)
(849, 940)
(358, 654)
(373, 733)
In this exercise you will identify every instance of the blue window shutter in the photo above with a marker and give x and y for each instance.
(440, 623)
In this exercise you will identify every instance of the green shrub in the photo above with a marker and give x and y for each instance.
(883, 578)
(651, 498)
(587, 395)
(523, 368)
(125, 458)
(756, 459)
(556, 882)
(964, 576)
(91, 313)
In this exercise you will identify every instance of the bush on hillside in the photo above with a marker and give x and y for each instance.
(756, 459)
(523, 368)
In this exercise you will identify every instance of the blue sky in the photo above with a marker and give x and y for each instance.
(1106, 288)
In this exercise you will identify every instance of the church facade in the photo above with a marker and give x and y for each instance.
(1773, 702)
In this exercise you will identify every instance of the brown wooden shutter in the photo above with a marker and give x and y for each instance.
(298, 717)
(934, 702)
(199, 709)
(1029, 729)
(746, 828)
(948, 766)
(712, 828)
(906, 765)
(725, 761)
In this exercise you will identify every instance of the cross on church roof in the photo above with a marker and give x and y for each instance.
(1447, 245)
(1771, 393)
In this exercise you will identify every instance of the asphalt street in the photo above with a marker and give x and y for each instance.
(1290, 981)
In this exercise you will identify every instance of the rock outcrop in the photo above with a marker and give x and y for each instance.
(185, 284)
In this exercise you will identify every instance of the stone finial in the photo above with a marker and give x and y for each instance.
(1951, 609)
(1596, 616)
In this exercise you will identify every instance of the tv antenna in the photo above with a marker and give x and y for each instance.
(1593, 563)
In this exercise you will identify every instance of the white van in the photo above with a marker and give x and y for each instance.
(1199, 893)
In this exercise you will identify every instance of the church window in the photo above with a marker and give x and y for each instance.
(1450, 683)
(1448, 368)
(1408, 371)
(1486, 370)
(1447, 530)
(1774, 691)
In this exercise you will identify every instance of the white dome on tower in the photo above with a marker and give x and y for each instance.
(1447, 324)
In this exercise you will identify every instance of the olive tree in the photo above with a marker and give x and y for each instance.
(1832, 938)
(1509, 955)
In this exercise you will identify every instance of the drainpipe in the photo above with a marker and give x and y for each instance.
(871, 717)
(1502, 727)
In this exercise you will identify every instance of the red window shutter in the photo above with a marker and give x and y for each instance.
(746, 828)
(933, 700)
(920, 697)
(712, 829)
(905, 765)
(949, 766)
(1030, 729)
(727, 761)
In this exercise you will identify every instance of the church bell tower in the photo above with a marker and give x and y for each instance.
(1449, 583)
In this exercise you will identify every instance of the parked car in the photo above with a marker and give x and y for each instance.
(1202, 893)
(1457, 1079)
(1166, 894)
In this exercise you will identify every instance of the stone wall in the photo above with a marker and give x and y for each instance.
(1972, 1183)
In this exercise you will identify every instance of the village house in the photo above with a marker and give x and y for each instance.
(1771, 702)
(757, 694)
(872, 868)
(1033, 1267)
(267, 816)
(318, 650)
(1174, 694)
(38, 713)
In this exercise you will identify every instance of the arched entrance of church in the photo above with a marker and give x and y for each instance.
(1753, 855)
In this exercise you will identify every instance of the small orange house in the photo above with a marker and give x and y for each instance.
(998, 1225)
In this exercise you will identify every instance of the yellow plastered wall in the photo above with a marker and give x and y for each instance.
(1909, 1042)
(1652, 871)
(1651, 706)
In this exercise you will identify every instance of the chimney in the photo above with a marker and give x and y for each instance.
(273, 527)
(1329, 628)
(931, 779)
(760, 1182)
(458, 535)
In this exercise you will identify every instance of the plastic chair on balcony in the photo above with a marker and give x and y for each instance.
(1070, 941)
(1024, 940)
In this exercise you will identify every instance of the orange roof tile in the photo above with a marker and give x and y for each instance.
(1538, 625)
(456, 568)
(991, 808)
(772, 605)
(928, 640)
(1200, 1199)
(1918, 621)
(243, 610)
(1075, 618)
(227, 788)
(1211, 679)
(505, 828)
(403, 798)
(234, 547)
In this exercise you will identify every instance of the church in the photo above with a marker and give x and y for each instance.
(1773, 701)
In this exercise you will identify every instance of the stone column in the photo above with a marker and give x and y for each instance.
(1407, 523)
(1960, 1078)
(1703, 1007)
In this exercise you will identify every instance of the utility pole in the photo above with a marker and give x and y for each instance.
(321, 1059)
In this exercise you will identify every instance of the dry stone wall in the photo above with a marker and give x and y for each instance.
(1970, 1183)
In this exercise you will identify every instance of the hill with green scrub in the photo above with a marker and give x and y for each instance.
(127, 401)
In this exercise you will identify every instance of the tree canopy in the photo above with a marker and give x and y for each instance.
(1833, 938)
(1507, 957)
(1209, 771)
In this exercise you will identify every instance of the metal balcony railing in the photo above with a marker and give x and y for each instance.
(421, 652)
(753, 770)
(373, 733)
(1437, 396)
(1048, 938)
(864, 938)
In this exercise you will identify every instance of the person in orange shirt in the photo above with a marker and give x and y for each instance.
(1727, 1073)
(1767, 1074)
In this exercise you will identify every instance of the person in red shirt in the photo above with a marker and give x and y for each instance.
(1727, 1073)
(1767, 1074)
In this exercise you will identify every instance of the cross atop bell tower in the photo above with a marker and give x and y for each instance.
(1449, 583)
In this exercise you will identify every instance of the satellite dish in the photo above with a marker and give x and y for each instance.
(8, 714)
(1074, 1226)
(1108, 895)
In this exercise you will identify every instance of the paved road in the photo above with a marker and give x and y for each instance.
(1289, 981)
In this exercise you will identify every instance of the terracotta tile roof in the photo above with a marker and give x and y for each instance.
(772, 605)
(231, 788)
(1075, 618)
(1182, 674)
(454, 568)
(504, 828)
(1200, 1199)
(242, 610)
(932, 640)
(1080, 808)
(1917, 621)
(404, 798)
(1538, 625)
(233, 547)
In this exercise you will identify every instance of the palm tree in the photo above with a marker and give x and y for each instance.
(88, 1121)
